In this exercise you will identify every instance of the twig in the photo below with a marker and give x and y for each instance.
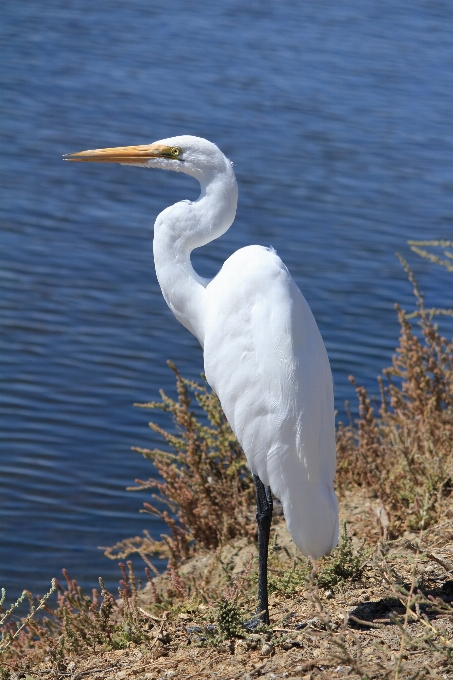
(164, 619)
(445, 565)
(367, 623)
(434, 630)
(406, 615)
(149, 616)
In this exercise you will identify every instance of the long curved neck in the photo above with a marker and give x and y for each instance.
(185, 226)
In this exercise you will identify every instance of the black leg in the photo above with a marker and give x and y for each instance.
(264, 508)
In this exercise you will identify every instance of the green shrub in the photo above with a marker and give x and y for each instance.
(343, 564)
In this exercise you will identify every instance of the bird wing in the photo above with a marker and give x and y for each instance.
(265, 359)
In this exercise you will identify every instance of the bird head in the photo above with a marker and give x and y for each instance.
(192, 155)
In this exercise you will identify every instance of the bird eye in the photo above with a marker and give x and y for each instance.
(176, 151)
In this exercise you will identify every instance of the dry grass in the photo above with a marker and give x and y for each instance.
(419, 247)
(205, 481)
(401, 450)
(75, 623)
(384, 611)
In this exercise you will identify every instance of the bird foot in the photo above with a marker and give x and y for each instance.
(259, 620)
(253, 624)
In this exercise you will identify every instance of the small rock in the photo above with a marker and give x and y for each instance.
(300, 625)
(121, 675)
(287, 645)
(267, 649)
(316, 623)
(329, 594)
(194, 629)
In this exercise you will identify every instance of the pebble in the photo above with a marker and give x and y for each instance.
(267, 649)
(194, 629)
(288, 644)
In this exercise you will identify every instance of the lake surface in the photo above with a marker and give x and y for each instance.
(338, 117)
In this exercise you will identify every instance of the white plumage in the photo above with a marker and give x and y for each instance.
(263, 353)
(265, 359)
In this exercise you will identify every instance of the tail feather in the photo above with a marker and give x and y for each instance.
(311, 515)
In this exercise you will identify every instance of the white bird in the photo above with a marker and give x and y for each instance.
(263, 353)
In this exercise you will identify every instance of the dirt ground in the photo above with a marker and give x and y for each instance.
(353, 630)
(297, 647)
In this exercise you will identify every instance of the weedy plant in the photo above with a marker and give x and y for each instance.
(288, 575)
(419, 247)
(402, 450)
(11, 631)
(76, 623)
(229, 619)
(418, 606)
(205, 485)
(343, 564)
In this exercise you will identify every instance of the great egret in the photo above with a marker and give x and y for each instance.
(263, 353)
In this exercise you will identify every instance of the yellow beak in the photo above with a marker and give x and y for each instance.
(124, 154)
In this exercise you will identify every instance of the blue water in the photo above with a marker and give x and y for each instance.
(338, 117)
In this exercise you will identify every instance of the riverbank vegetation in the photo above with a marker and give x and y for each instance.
(380, 606)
